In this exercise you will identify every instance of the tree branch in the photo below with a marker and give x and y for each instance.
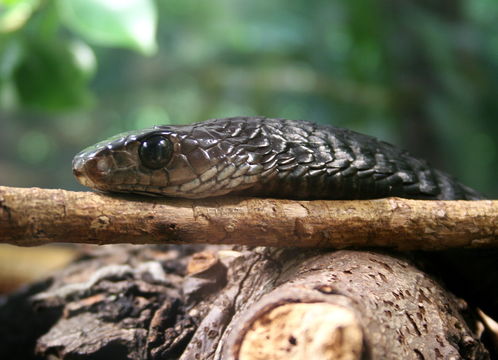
(33, 216)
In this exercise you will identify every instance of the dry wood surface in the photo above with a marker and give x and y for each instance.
(33, 216)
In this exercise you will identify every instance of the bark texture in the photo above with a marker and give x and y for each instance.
(36, 216)
(170, 302)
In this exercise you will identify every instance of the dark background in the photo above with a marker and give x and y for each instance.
(422, 75)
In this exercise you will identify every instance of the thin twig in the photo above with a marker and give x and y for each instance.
(33, 216)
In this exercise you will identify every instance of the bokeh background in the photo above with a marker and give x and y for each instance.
(422, 75)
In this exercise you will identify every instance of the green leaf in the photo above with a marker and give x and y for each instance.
(50, 77)
(16, 14)
(11, 2)
(127, 23)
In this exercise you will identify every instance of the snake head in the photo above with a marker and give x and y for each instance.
(114, 164)
(192, 161)
(156, 161)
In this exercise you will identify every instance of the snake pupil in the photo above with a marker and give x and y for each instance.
(155, 152)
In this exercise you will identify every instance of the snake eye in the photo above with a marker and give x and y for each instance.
(155, 152)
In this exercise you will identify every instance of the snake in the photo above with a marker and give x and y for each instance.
(261, 157)
(265, 157)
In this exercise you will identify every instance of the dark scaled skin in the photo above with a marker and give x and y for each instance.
(258, 156)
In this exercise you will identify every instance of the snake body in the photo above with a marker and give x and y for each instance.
(258, 156)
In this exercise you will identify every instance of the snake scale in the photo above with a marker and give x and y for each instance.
(258, 156)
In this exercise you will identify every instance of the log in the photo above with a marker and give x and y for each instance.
(218, 303)
(33, 216)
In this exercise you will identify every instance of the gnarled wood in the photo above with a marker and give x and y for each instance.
(148, 303)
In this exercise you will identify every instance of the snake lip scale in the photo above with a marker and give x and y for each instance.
(259, 156)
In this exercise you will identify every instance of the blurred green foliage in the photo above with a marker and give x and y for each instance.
(45, 66)
(420, 74)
